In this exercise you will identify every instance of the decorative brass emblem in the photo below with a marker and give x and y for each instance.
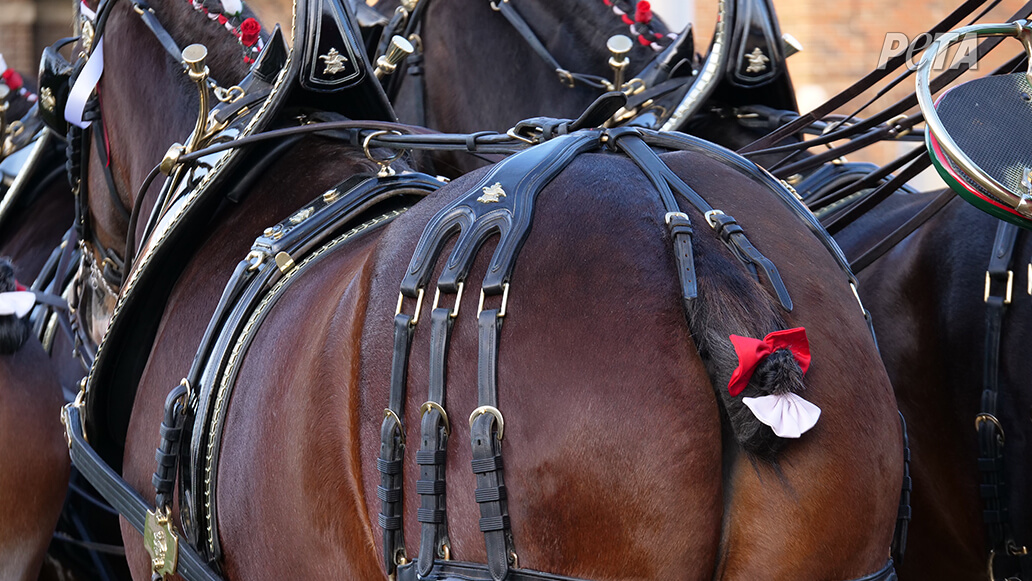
(86, 35)
(161, 543)
(274, 232)
(757, 61)
(47, 100)
(492, 194)
(301, 215)
(334, 62)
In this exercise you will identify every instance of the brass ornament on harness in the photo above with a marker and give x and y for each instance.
(486, 409)
(398, 50)
(432, 405)
(161, 542)
(385, 164)
(983, 417)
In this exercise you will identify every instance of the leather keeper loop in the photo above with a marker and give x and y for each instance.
(428, 515)
(388, 466)
(388, 494)
(494, 523)
(389, 523)
(483, 465)
(430, 457)
(489, 494)
(430, 486)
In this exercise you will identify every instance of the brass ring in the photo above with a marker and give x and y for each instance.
(458, 299)
(386, 162)
(432, 405)
(980, 418)
(486, 409)
(389, 413)
(419, 306)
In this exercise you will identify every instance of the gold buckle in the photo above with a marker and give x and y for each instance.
(982, 418)
(709, 217)
(458, 299)
(419, 306)
(505, 301)
(486, 409)
(432, 405)
(1010, 287)
(389, 413)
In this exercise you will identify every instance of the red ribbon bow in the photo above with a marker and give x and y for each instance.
(19, 286)
(751, 352)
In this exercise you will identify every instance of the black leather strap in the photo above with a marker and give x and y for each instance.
(906, 229)
(996, 514)
(434, 431)
(122, 497)
(392, 447)
(167, 454)
(486, 438)
(899, 536)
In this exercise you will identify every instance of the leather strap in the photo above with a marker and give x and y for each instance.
(996, 514)
(434, 431)
(899, 536)
(486, 438)
(906, 229)
(838, 221)
(392, 447)
(122, 497)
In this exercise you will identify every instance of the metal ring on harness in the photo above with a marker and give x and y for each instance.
(385, 164)
(980, 418)
(432, 405)
(389, 413)
(458, 299)
(505, 301)
(486, 409)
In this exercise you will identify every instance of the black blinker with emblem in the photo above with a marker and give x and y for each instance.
(55, 82)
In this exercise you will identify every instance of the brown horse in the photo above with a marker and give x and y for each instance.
(619, 462)
(927, 299)
(32, 483)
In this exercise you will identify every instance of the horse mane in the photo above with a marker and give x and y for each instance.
(14, 332)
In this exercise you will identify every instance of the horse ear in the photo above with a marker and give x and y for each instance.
(335, 71)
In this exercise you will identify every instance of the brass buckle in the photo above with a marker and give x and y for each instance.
(982, 418)
(505, 301)
(419, 306)
(709, 217)
(458, 299)
(432, 405)
(1010, 287)
(486, 409)
(528, 140)
(389, 413)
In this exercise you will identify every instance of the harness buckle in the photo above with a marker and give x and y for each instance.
(505, 301)
(432, 405)
(983, 417)
(487, 409)
(458, 299)
(1010, 286)
(710, 215)
(419, 306)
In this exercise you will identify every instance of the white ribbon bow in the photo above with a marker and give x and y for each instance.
(787, 414)
(17, 303)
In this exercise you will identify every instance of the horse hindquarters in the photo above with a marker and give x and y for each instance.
(32, 486)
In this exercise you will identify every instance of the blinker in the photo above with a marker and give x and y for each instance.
(55, 81)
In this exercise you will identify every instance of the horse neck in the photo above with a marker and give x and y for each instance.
(148, 103)
(483, 77)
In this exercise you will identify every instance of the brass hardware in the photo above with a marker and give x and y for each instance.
(301, 215)
(273, 232)
(757, 61)
(671, 215)
(505, 301)
(230, 95)
(790, 45)
(385, 164)
(458, 299)
(189, 393)
(1014, 550)
(492, 194)
(161, 542)
(486, 409)
(445, 552)
(400, 558)
(432, 405)
(419, 305)
(284, 262)
(894, 122)
(194, 57)
(789, 187)
(619, 45)
(515, 559)
(1010, 287)
(171, 159)
(47, 100)
(389, 413)
(254, 259)
(495, 6)
(330, 196)
(86, 35)
(409, 5)
(709, 217)
(982, 418)
(398, 50)
(565, 77)
(334, 62)
(512, 133)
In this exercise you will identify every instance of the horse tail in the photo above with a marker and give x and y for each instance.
(14, 331)
(731, 302)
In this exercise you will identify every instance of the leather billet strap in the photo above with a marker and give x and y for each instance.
(729, 231)
(120, 495)
(392, 447)
(903, 516)
(434, 431)
(991, 438)
(486, 433)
